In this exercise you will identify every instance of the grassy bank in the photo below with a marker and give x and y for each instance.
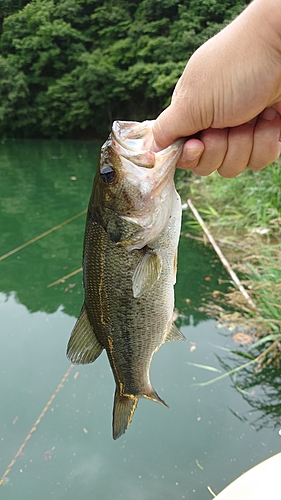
(244, 216)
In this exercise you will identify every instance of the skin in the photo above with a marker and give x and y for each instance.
(229, 95)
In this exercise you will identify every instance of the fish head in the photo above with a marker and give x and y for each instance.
(134, 187)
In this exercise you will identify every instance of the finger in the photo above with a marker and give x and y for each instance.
(192, 151)
(164, 132)
(175, 121)
(266, 148)
(239, 149)
(215, 147)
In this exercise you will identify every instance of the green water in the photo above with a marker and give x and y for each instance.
(208, 437)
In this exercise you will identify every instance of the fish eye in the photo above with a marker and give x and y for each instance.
(108, 174)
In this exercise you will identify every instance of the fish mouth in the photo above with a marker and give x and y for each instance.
(133, 136)
(133, 141)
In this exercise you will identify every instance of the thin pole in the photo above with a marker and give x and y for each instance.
(223, 259)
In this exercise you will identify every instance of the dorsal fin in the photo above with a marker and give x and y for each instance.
(83, 346)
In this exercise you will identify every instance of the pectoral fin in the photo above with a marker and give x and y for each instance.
(147, 272)
(174, 334)
(83, 346)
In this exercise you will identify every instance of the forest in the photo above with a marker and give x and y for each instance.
(70, 67)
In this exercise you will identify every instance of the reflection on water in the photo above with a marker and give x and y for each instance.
(44, 186)
(70, 454)
(261, 390)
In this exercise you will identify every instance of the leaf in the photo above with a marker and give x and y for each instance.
(264, 340)
(227, 374)
(243, 354)
(204, 367)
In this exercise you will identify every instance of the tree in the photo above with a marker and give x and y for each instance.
(13, 95)
(81, 64)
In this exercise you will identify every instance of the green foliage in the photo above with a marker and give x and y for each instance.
(248, 201)
(71, 65)
(244, 215)
(8, 7)
(13, 94)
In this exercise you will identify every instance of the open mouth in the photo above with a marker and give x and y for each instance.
(133, 141)
(133, 136)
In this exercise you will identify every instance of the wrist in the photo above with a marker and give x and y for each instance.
(265, 18)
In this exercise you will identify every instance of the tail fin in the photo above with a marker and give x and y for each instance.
(124, 408)
(123, 411)
(152, 394)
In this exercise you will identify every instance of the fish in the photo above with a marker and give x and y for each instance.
(129, 264)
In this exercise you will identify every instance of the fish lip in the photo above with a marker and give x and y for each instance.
(119, 127)
(135, 132)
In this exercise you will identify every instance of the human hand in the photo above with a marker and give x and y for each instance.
(231, 99)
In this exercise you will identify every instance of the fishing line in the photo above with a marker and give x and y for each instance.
(62, 280)
(36, 423)
(11, 252)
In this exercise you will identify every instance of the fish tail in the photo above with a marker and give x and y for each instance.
(152, 394)
(123, 411)
(124, 408)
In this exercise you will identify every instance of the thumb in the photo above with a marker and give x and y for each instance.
(174, 122)
(164, 131)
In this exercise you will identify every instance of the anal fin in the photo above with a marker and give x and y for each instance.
(83, 346)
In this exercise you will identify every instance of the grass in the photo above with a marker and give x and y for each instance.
(253, 198)
(244, 216)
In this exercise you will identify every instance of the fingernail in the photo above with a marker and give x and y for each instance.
(191, 154)
(269, 114)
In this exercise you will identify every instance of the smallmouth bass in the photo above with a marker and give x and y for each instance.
(129, 264)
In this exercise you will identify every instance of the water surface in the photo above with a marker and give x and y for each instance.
(60, 434)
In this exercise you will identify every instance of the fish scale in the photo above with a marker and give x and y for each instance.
(129, 260)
